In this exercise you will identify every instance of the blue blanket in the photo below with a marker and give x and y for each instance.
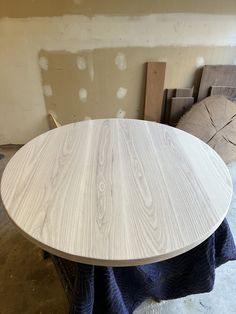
(119, 290)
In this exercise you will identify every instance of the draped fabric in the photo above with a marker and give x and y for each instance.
(119, 290)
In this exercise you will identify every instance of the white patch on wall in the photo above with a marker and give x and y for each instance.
(234, 62)
(47, 90)
(43, 63)
(120, 114)
(200, 62)
(121, 93)
(83, 94)
(81, 63)
(121, 62)
(77, 33)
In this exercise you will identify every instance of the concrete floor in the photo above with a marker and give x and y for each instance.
(28, 283)
(222, 300)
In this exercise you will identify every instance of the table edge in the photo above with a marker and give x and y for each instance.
(115, 263)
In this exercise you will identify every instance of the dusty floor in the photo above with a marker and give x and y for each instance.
(28, 283)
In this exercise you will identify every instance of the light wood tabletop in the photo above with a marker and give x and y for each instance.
(116, 192)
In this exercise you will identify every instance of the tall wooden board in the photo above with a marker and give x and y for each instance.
(154, 91)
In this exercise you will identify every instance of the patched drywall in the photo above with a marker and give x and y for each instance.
(115, 89)
(82, 66)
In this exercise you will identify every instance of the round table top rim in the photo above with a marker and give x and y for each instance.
(109, 262)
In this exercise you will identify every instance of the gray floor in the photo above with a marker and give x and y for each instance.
(29, 284)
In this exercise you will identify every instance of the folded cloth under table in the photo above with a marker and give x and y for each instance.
(119, 290)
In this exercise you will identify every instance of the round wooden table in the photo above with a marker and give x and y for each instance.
(116, 192)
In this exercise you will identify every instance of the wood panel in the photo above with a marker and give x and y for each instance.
(154, 91)
(216, 75)
(116, 192)
(176, 93)
(184, 92)
(227, 91)
(169, 93)
(178, 107)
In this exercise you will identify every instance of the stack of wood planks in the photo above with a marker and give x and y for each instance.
(178, 101)
(164, 109)
(170, 106)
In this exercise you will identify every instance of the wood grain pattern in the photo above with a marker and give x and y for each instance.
(116, 192)
(154, 91)
(227, 91)
(213, 120)
(216, 75)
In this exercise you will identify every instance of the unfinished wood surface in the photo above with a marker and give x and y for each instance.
(169, 93)
(178, 107)
(216, 75)
(213, 120)
(116, 192)
(154, 91)
(227, 91)
(184, 92)
(53, 121)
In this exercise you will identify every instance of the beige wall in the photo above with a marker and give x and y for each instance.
(111, 92)
(90, 65)
(28, 8)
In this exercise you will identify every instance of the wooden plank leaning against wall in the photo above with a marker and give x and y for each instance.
(154, 91)
(216, 80)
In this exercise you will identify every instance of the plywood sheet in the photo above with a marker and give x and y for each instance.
(154, 91)
(216, 75)
(103, 81)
